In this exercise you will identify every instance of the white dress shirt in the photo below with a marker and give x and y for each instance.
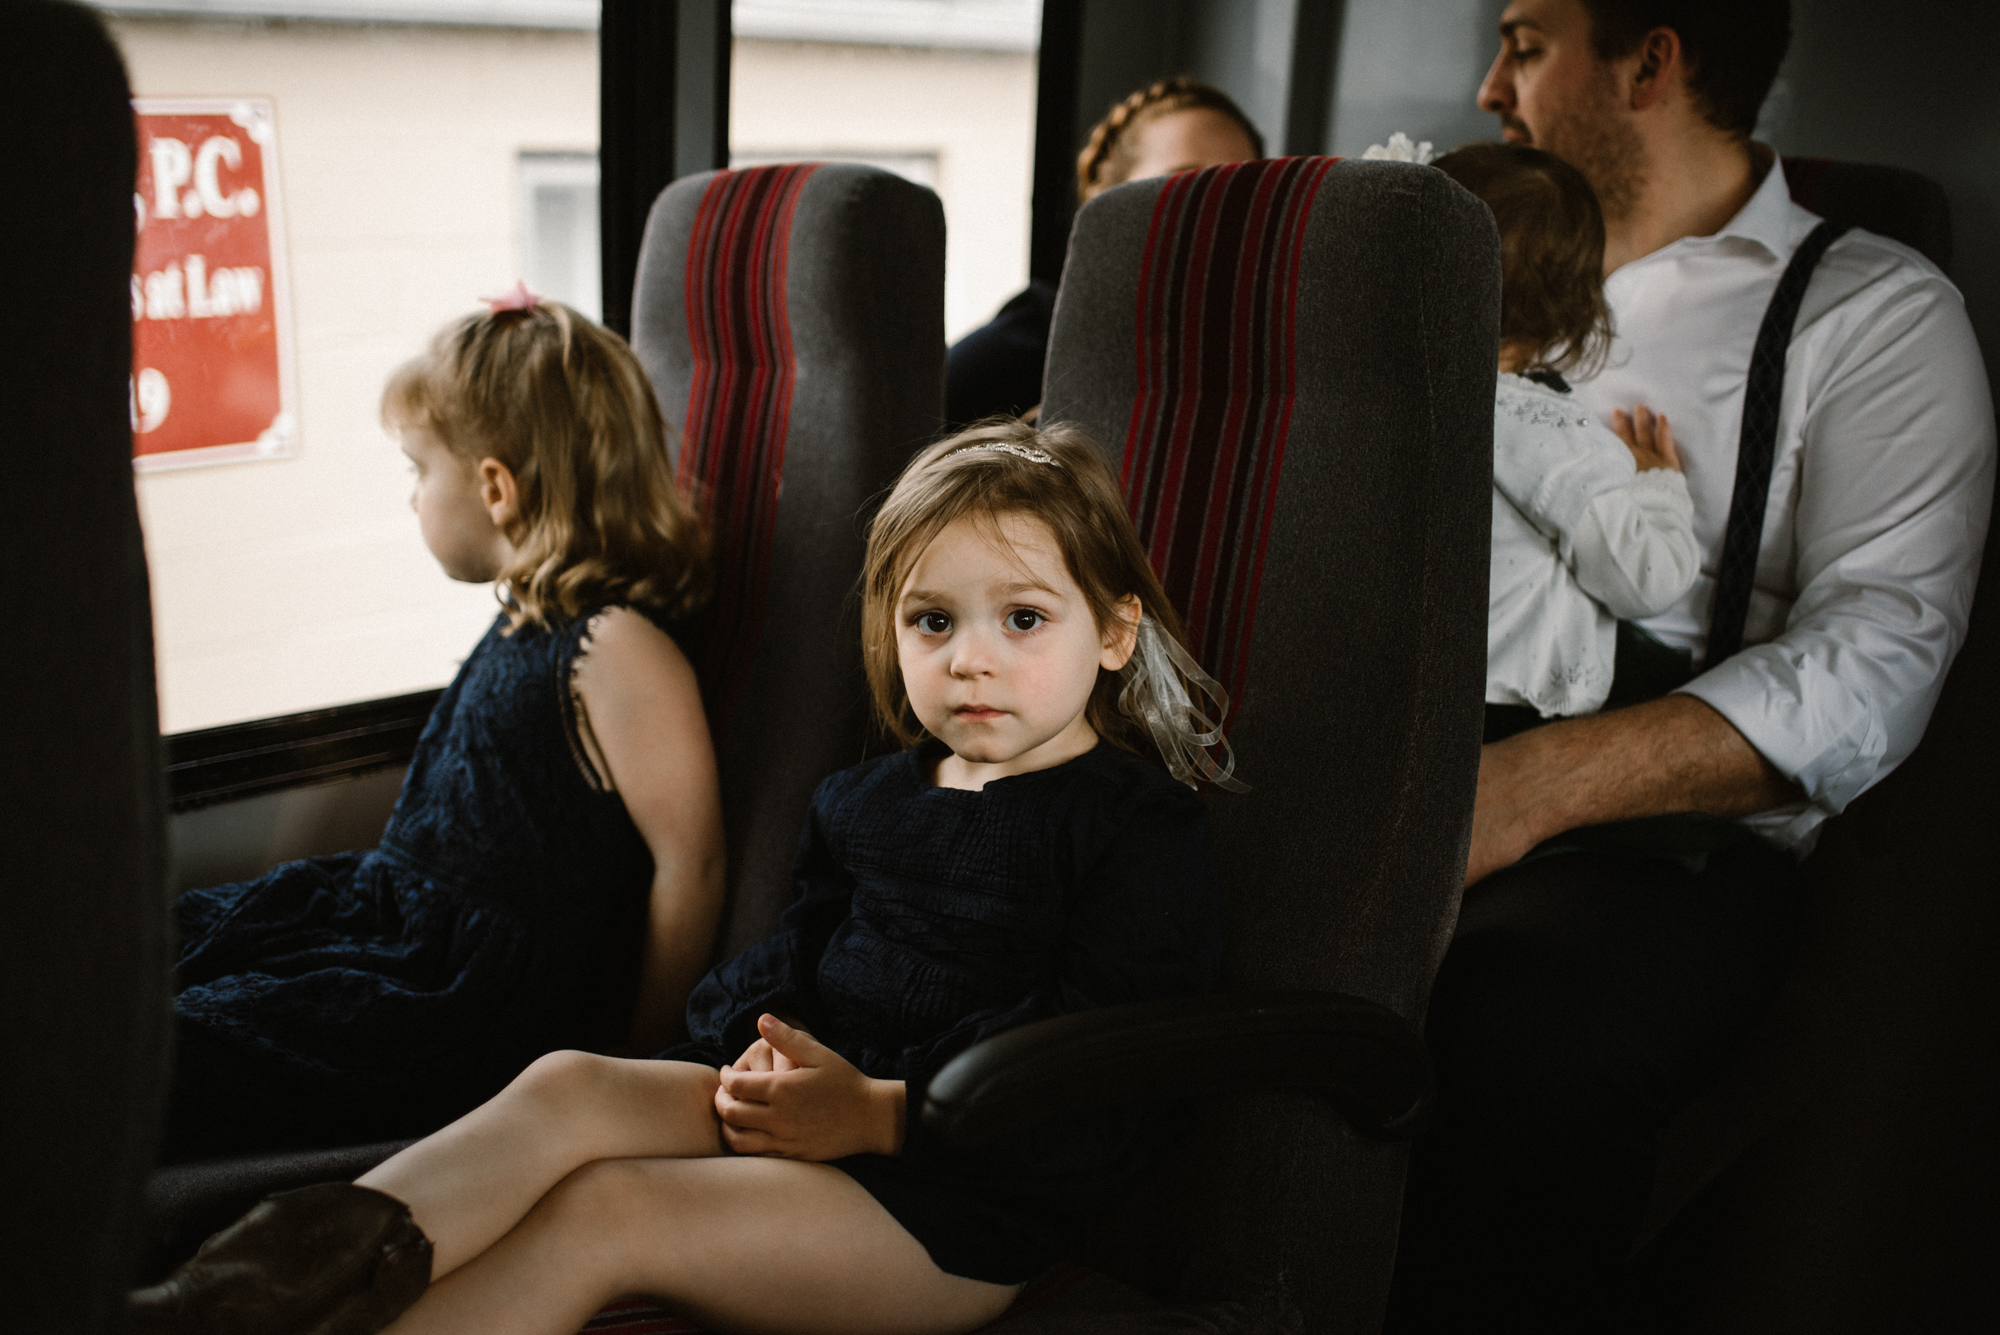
(1880, 487)
(1580, 539)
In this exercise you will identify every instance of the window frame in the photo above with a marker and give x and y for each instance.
(239, 760)
(663, 113)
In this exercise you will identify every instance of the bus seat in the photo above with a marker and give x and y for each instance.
(1895, 202)
(1291, 362)
(791, 319)
(1831, 1180)
(1837, 1178)
(85, 942)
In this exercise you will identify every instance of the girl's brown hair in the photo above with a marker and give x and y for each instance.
(563, 403)
(1551, 253)
(1075, 497)
(1113, 150)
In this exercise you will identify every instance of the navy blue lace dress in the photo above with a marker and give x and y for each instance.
(928, 918)
(376, 995)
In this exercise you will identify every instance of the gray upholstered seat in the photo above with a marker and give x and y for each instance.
(1292, 364)
(84, 938)
(792, 321)
(1895, 202)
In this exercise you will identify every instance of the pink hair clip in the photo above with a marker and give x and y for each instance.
(516, 298)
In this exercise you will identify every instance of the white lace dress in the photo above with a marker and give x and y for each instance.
(1581, 539)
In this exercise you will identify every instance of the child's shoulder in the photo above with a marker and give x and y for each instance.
(871, 779)
(622, 620)
(1530, 403)
(1129, 813)
(1538, 432)
(1109, 794)
(1121, 778)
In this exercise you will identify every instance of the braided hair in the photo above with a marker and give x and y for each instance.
(1108, 158)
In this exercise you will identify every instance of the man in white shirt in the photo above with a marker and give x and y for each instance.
(1586, 998)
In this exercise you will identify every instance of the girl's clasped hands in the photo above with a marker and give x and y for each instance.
(790, 1096)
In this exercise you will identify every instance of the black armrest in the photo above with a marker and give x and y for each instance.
(1367, 1060)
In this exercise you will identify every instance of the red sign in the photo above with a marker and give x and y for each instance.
(211, 318)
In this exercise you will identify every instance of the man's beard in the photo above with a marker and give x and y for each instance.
(1592, 136)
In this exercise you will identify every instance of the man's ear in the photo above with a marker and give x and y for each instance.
(1122, 635)
(1660, 64)
(500, 494)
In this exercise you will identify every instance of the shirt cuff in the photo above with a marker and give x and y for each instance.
(1813, 728)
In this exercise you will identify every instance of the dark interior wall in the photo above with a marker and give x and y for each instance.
(1412, 67)
(1916, 92)
(1244, 47)
(1127, 44)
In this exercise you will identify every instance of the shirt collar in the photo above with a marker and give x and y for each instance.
(1767, 218)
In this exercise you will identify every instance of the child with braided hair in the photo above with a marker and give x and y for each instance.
(1174, 125)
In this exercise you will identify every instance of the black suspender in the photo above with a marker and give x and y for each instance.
(1756, 445)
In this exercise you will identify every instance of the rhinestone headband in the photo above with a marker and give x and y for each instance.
(1028, 452)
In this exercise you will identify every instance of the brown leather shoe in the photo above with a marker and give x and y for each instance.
(335, 1259)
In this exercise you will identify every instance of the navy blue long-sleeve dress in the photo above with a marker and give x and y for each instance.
(375, 995)
(929, 918)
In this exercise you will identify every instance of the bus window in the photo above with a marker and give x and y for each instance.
(943, 94)
(420, 167)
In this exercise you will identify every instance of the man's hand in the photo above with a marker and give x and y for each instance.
(791, 1097)
(1667, 755)
(1648, 436)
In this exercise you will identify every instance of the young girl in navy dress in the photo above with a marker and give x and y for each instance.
(1028, 856)
(552, 870)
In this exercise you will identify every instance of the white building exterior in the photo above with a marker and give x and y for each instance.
(424, 151)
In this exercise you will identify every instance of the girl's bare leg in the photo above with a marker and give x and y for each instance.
(471, 1182)
(738, 1244)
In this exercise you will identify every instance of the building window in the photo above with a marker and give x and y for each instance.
(559, 238)
(941, 92)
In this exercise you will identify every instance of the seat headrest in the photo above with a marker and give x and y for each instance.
(739, 399)
(1895, 202)
(781, 314)
(1211, 321)
(791, 320)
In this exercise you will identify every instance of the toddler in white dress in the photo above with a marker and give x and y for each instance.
(1591, 524)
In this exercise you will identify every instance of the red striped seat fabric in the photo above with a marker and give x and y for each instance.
(739, 401)
(1217, 305)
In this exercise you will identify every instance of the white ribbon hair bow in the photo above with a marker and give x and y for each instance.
(1153, 694)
